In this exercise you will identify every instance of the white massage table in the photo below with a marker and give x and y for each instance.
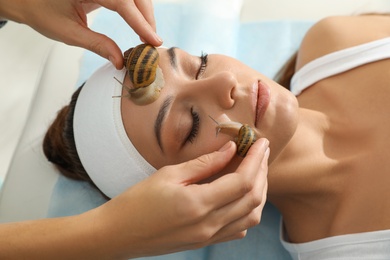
(38, 76)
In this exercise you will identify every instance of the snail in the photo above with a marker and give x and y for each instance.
(243, 134)
(141, 63)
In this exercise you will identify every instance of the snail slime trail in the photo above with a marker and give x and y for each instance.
(243, 135)
(141, 63)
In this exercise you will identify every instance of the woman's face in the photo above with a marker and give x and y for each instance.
(177, 127)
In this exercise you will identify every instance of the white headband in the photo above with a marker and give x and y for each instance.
(105, 151)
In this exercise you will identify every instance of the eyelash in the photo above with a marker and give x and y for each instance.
(203, 64)
(195, 116)
(195, 126)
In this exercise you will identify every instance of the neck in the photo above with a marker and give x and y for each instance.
(294, 175)
(304, 147)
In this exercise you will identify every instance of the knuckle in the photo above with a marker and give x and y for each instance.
(241, 235)
(255, 201)
(204, 235)
(96, 47)
(195, 214)
(254, 218)
(247, 186)
(189, 209)
(204, 160)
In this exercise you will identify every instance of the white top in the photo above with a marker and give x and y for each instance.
(338, 62)
(368, 245)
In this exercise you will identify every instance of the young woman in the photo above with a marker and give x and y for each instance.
(328, 166)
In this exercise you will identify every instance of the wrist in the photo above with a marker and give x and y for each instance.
(109, 234)
(12, 10)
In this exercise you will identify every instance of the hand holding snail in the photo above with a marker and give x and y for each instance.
(67, 21)
(243, 134)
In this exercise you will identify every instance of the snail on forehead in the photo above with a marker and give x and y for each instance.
(243, 134)
(141, 63)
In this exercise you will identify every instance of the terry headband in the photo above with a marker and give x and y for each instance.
(105, 151)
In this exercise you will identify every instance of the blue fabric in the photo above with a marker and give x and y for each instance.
(196, 26)
(264, 46)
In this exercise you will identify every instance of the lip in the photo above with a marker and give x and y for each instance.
(262, 98)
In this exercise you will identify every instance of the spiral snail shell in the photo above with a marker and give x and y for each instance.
(141, 63)
(243, 134)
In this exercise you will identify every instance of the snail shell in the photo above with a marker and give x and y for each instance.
(243, 134)
(141, 63)
(246, 137)
(148, 94)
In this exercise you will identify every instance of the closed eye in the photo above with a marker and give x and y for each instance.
(203, 65)
(195, 126)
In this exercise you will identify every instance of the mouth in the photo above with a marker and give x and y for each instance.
(261, 101)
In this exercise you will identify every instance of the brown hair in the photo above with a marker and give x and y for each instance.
(286, 72)
(59, 146)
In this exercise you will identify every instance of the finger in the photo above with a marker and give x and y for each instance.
(208, 165)
(89, 7)
(233, 186)
(146, 9)
(243, 213)
(237, 229)
(254, 156)
(235, 236)
(140, 25)
(97, 43)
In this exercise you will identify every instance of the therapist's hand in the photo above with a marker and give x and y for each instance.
(66, 21)
(169, 212)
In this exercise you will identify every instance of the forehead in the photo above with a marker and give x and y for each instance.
(139, 120)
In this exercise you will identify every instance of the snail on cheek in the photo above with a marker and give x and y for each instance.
(243, 135)
(141, 63)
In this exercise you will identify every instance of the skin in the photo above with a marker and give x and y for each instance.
(329, 160)
(71, 17)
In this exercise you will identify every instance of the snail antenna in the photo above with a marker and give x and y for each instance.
(218, 128)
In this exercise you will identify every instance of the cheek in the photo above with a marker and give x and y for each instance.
(204, 144)
(281, 125)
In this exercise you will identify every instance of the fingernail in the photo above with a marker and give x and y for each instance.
(112, 60)
(158, 38)
(265, 143)
(225, 147)
(266, 156)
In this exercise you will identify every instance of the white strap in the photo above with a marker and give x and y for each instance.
(338, 62)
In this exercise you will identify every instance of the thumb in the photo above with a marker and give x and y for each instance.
(208, 165)
(97, 43)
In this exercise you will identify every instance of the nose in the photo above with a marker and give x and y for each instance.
(218, 88)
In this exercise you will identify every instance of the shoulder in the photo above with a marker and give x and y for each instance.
(339, 32)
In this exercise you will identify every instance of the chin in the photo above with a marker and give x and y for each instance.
(282, 123)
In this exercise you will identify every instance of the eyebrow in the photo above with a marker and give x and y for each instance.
(167, 102)
(160, 118)
(172, 57)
